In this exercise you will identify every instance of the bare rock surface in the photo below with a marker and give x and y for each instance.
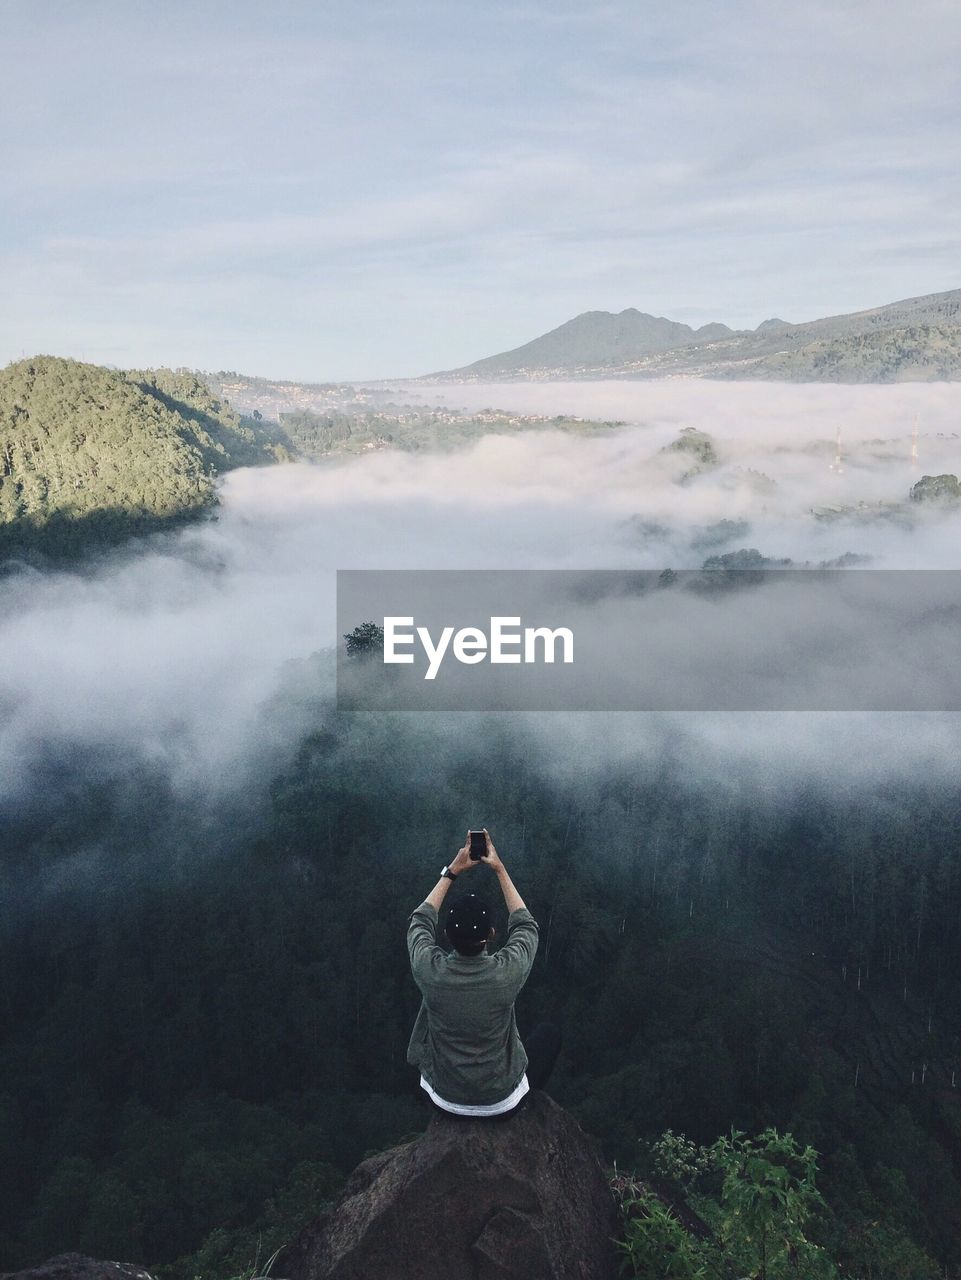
(523, 1198)
(75, 1266)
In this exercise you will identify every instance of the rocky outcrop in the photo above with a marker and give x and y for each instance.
(75, 1266)
(517, 1199)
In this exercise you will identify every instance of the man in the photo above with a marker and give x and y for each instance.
(465, 1041)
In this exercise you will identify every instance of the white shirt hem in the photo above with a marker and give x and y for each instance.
(493, 1109)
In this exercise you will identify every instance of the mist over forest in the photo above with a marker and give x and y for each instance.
(641, 323)
(172, 652)
(746, 918)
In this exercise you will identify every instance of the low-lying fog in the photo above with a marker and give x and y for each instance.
(175, 652)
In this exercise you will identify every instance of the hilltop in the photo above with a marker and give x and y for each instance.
(91, 456)
(916, 339)
(598, 339)
(89, 453)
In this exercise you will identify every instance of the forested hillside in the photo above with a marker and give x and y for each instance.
(89, 455)
(207, 1016)
(316, 436)
(596, 338)
(914, 340)
(917, 354)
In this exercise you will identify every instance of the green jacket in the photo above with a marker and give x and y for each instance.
(465, 1039)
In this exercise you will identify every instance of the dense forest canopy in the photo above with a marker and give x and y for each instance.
(314, 435)
(89, 454)
(213, 1014)
(206, 868)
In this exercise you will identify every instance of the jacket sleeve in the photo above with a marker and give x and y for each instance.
(517, 954)
(425, 954)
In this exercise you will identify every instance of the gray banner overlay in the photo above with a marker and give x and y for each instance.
(694, 640)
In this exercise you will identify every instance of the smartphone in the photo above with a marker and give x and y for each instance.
(478, 845)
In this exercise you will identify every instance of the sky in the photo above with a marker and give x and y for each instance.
(341, 191)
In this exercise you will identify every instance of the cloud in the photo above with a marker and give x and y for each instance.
(439, 182)
(176, 654)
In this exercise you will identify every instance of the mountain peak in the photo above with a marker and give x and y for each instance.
(913, 339)
(591, 340)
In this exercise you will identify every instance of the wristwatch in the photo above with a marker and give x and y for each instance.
(446, 871)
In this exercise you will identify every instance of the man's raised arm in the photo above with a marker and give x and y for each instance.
(421, 932)
(512, 898)
(461, 862)
(521, 946)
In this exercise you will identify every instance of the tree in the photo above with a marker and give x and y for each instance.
(364, 641)
(943, 488)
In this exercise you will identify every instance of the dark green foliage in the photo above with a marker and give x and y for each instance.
(316, 436)
(655, 1245)
(203, 1013)
(246, 1249)
(745, 558)
(915, 353)
(224, 438)
(696, 445)
(90, 456)
(944, 488)
(766, 1199)
(364, 640)
(759, 1211)
(749, 1207)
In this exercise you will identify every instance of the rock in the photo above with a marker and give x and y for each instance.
(75, 1266)
(517, 1199)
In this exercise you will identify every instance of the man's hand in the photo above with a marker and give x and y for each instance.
(463, 861)
(490, 857)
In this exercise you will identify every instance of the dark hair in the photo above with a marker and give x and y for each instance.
(468, 925)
